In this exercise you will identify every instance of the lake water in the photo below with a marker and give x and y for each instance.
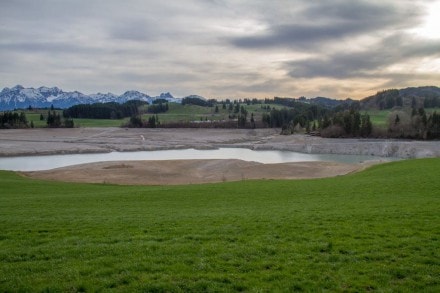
(37, 163)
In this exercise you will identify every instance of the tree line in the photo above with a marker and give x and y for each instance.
(110, 110)
(417, 125)
(389, 99)
(348, 123)
(138, 122)
(54, 120)
(199, 102)
(431, 102)
(13, 120)
(158, 107)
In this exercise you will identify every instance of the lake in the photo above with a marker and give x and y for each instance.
(47, 162)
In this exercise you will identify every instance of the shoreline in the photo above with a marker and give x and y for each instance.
(30, 142)
(16, 143)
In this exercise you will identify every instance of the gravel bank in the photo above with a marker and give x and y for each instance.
(98, 140)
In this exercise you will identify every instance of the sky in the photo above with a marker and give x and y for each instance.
(221, 48)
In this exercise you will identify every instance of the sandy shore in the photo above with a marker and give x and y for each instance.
(191, 171)
(98, 140)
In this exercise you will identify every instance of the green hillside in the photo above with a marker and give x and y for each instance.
(378, 230)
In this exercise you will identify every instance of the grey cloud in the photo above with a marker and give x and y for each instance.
(266, 86)
(297, 36)
(404, 78)
(367, 63)
(321, 22)
(339, 67)
(371, 14)
(48, 47)
(138, 30)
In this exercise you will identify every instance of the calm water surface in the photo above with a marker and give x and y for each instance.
(37, 163)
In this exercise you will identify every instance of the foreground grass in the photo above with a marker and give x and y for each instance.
(374, 230)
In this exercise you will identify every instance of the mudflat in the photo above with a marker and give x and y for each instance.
(191, 171)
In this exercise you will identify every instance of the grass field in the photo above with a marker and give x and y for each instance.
(380, 117)
(374, 230)
(176, 113)
(34, 116)
(187, 113)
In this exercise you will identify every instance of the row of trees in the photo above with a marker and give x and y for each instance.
(349, 123)
(300, 114)
(13, 120)
(104, 110)
(137, 122)
(54, 120)
(158, 108)
(193, 100)
(389, 99)
(417, 125)
(431, 102)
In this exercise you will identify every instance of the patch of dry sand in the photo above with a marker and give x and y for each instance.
(191, 171)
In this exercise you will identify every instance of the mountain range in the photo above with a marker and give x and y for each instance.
(19, 97)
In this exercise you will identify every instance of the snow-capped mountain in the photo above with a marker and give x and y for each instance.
(169, 97)
(19, 97)
(104, 98)
(134, 95)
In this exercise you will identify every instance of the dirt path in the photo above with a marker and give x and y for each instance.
(191, 171)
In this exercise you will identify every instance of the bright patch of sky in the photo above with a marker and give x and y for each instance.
(430, 26)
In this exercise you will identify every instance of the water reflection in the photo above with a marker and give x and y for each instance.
(36, 163)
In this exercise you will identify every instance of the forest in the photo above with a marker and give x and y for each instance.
(403, 117)
(111, 110)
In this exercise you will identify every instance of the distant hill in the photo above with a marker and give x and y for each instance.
(327, 103)
(19, 97)
(426, 96)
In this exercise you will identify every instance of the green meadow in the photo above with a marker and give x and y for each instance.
(34, 116)
(377, 230)
(188, 113)
(379, 118)
(176, 113)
